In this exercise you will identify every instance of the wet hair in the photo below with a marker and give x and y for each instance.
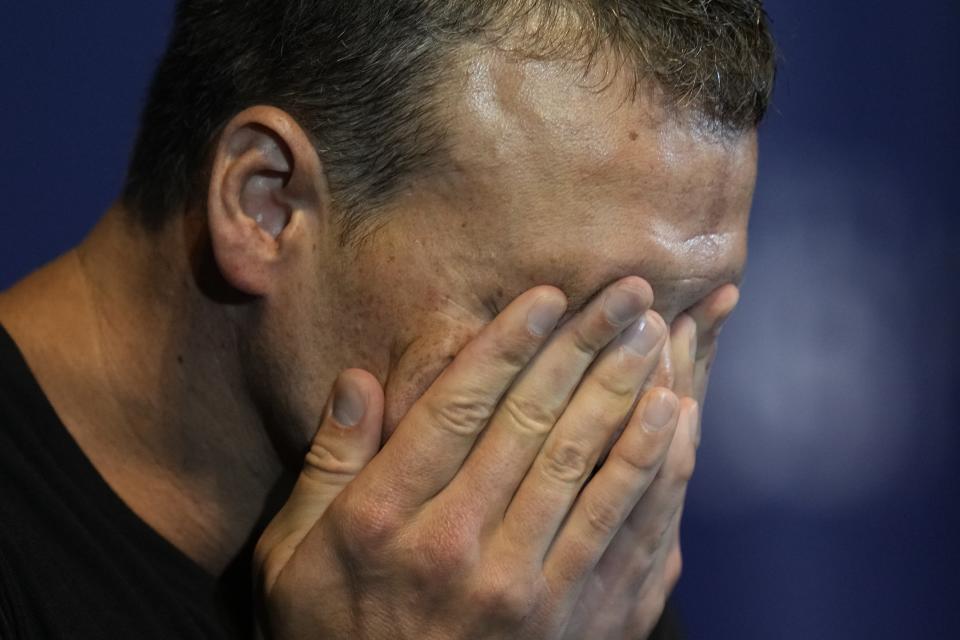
(362, 77)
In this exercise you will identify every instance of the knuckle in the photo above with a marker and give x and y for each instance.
(506, 596)
(639, 460)
(654, 536)
(367, 525)
(528, 416)
(325, 461)
(618, 385)
(439, 556)
(578, 560)
(641, 565)
(566, 461)
(515, 353)
(463, 416)
(603, 517)
(584, 341)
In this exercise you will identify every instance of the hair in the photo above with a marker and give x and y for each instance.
(362, 77)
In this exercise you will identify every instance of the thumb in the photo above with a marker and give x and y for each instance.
(346, 441)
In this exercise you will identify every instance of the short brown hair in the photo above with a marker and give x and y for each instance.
(359, 75)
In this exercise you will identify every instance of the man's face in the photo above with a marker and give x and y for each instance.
(551, 181)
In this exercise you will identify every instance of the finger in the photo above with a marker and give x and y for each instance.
(432, 441)
(652, 513)
(602, 403)
(654, 587)
(609, 497)
(632, 551)
(683, 345)
(542, 392)
(672, 554)
(648, 545)
(347, 439)
(649, 557)
(646, 569)
(710, 314)
(701, 374)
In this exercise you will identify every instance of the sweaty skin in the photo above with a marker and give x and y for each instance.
(551, 182)
(192, 364)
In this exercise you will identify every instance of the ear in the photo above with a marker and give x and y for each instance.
(267, 195)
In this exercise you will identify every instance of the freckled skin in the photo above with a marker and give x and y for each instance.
(548, 182)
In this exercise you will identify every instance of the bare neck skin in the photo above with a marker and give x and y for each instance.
(142, 368)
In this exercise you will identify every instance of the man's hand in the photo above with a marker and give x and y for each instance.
(476, 519)
(626, 594)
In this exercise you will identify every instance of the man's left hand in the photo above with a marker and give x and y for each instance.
(628, 591)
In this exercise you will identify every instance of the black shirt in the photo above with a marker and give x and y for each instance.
(76, 562)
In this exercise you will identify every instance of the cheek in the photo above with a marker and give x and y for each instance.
(404, 387)
(420, 364)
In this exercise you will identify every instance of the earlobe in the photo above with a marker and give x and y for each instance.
(254, 193)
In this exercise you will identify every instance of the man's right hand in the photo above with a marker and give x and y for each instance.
(477, 518)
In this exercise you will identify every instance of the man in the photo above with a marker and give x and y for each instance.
(504, 234)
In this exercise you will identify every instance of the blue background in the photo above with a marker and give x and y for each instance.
(824, 504)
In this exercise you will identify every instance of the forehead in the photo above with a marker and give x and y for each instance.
(581, 181)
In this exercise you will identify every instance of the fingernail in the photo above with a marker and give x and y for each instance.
(348, 404)
(643, 335)
(659, 411)
(544, 316)
(623, 305)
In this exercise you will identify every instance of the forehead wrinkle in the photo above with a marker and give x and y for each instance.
(586, 189)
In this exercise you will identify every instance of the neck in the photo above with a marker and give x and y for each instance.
(143, 369)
